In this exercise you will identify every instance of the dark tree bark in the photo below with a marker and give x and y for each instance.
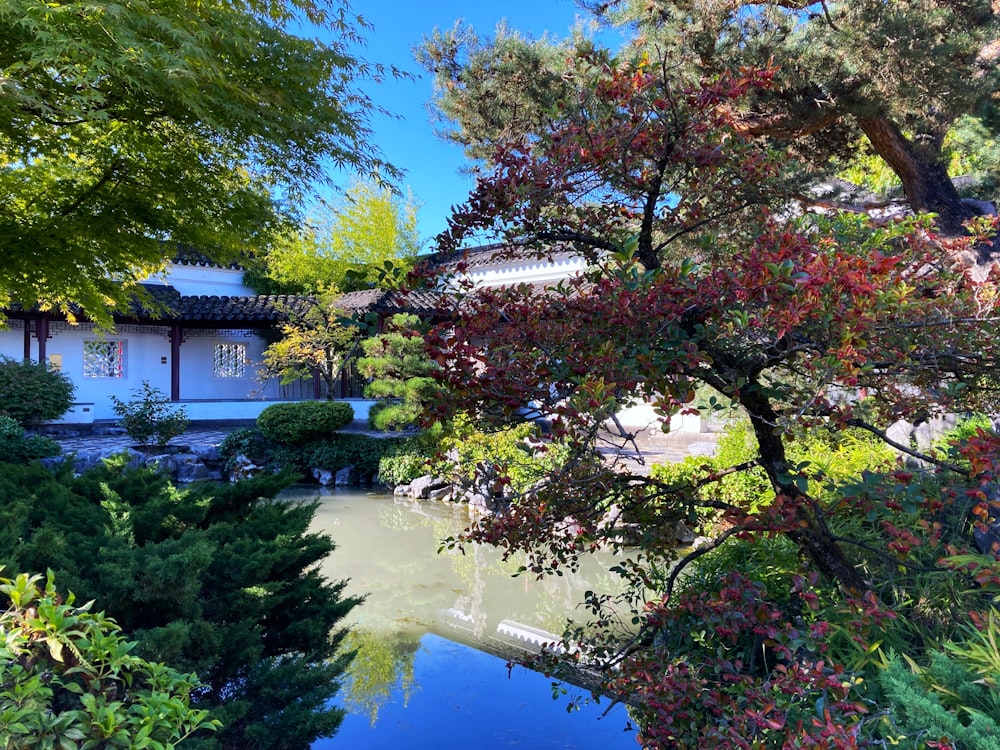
(925, 181)
(812, 538)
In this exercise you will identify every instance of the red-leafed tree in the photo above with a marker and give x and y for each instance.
(804, 322)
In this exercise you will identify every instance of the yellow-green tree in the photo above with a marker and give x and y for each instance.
(315, 339)
(347, 246)
(129, 129)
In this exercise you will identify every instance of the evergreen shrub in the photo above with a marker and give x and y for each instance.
(32, 392)
(17, 448)
(304, 421)
(217, 579)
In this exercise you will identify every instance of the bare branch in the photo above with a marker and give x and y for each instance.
(906, 449)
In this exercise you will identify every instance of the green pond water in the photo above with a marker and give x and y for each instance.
(437, 629)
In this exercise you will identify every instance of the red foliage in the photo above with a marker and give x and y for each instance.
(799, 318)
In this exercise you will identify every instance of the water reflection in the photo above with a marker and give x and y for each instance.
(425, 608)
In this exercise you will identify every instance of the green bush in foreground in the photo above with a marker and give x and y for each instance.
(221, 580)
(32, 392)
(69, 679)
(303, 421)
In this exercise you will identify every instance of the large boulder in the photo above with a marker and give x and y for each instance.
(421, 487)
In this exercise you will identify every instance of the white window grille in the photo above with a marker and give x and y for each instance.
(103, 359)
(229, 360)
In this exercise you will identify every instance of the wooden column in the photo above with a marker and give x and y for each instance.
(27, 339)
(42, 334)
(176, 339)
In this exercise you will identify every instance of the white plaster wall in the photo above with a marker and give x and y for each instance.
(147, 358)
(12, 340)
(198, 380)
(144, 350)
(532, 271)
(207, 280)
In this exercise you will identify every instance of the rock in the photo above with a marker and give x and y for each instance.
(324, 476)
(344, 477)
(442, 493)
(682, 534)
(242, 467)
(206, 452)
(478, 502)
(189, 468)
(52, 462)
(401, 490)
(421, 486)
(84, 461)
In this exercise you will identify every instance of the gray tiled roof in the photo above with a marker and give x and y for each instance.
(388, 302)
(265, 310)
(491, 256)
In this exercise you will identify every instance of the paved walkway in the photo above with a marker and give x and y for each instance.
(665, 449)
(110, 442)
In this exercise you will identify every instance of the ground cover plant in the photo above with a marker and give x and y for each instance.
(218, 580)
(816, 584)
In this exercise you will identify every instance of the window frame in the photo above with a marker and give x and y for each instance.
(114, 362)
(240, 371)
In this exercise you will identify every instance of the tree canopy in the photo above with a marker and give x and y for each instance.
(130, 129)
(900, 75)
(782, 627)
(316, 340)
(346, 246)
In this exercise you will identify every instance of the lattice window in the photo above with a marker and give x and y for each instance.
(229, 360)
(104, 359)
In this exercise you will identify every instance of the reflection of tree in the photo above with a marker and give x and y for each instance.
(390, 552)
(383, 664)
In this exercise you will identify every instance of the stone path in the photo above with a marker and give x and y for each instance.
(201, 440)
(115, 441)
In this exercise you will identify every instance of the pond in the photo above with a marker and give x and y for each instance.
(436, 630)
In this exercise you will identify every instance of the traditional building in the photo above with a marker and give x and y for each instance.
(204, 347)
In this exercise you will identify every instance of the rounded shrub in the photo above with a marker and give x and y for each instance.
(303, 421)
(32, 392)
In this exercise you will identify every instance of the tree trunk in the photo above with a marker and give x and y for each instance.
(925, 180)
(812, 539)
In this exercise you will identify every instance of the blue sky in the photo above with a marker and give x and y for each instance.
(433, 166)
